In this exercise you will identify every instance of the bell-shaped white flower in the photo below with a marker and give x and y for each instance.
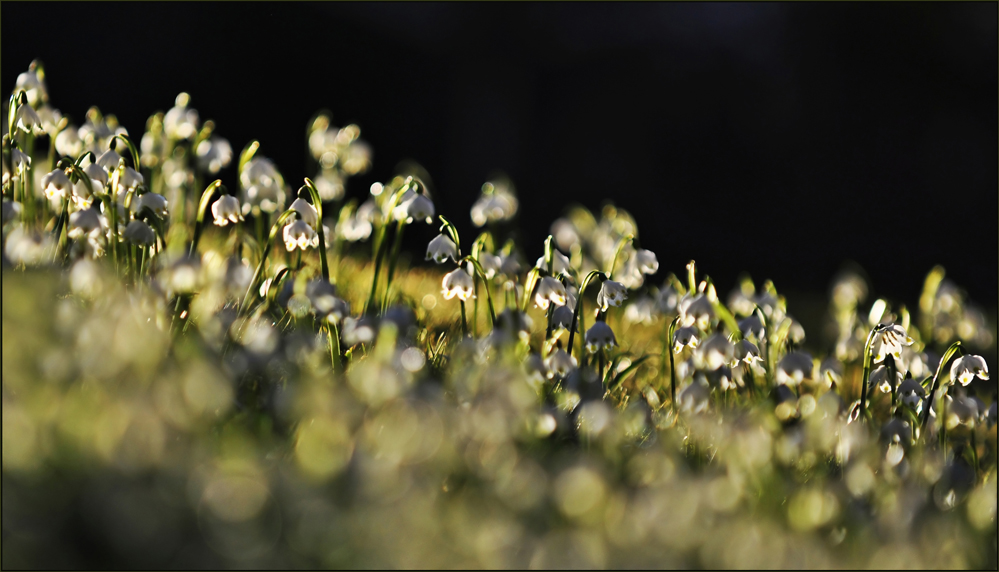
(440, 249)
(549, 291)
(912, 393)
(138, 232)
(965, 368)
(600, 336)
(130, 178)
(56, 185)
(226, 210)
(26, 119)
(715, 352)
(746, 352)
(68, 142)
(646, 261)
(642, 311)
(560, 363)
(562, 317)
(181, 122)
(416, 207)
(19, 159)
(497, 203)
(85, 223)
(694, 397)
(560, 263)
(880, 378)
(751, 327)
(305, 211)
(264, 186)
(51, 118)
(687, 336)
(157, 204)
(109, 161)
(794, 368)
(889, 341)
(490, 264)
(214, 154)
(355, 228)
(611, 294)
(696, 310)
(33, 86)
(457, 283)
(300, 234)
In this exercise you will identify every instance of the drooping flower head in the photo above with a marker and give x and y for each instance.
(441, 248)
(457, 283)
(226, 210)
(889, 341)
(965, 368)
(550, 291)
(611, 294)
(300, 234)
(600, 336)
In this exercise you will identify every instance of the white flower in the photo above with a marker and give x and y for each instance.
(751, 327)
(560, 363)
(966, 368)
(440, 249)
(457, 283)
(497, 203)
(912, 394)
(181, 122)
(130, 178)
(599, 336)
(157, 204)
(747, 352)
(685, 336)
(29, 247)
(325, 302)
(641, 311)
(611, 294)
(305, 211)
(549, 290)
(214, 154)
(226, 210)
(509, 266)
(715, 352)
(264, 186)
(696, 310)
(34, 88)
(794, 368)
(19, 159)
(109, 161)
(329, 183)
(646, 261)
(355, 228)
(694, 397)
(890, 341)
(416, 207)
(51, 117)
(85, 223)
(56, 184)
(880, 378)
(490, 264)
(560, 263)
(26, 119)
(300, 234)
(562, 317)
(68, 142)
(139, 232)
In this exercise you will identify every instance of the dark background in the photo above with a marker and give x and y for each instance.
(779, 139)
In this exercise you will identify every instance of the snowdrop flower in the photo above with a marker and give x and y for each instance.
(562, 317)
(85, 223)
(457, 283)
(611, 294)
(646, 261)
(560, 363)
(34, 87)
(560, 263)
(490, 264)
(130, 179)
(509, 266)
(355, 228)
(264, 186)
(966, 368)
(667, 299)
(180, 122)
(157, 204)
(600, 336)
(68, 142)
(329, 183)
(794, 368)
(751, 326)
(746, 351)
(51, 118)
(696, 310)
(890, 341)
(897, 431)
(226, 210)
(140, 233)
(880, 378)
(685, 336)
(306, 211)
(849, 290)
(28, 247)
(496, 203)
(214, 154)
(56, 185)
(26, 119)
(912, 394)
(20, 160)
(715, 352)
(549, 290)
(440, 249)
(962, 410)
(694, 397)
(300, 234)
(416, 207)
(356, 158)
(109, 161)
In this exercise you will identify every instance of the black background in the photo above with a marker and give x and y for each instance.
(779, 139)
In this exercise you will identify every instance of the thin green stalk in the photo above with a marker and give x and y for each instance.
(954, 348)
(482, 277)
(206, 198)
(577, 311)
(867, 370)
(393, 260)
(464, 322)
(672, 366)
(890, 364)
(620, 247)
(278, 224)
(333, 337)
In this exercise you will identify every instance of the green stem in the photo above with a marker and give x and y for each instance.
(577, 311)
(867, 370)
(954, 348)
(672, 366)
(464, 323)
(333, 337)
(890, 365)
(206, 198)
(393, 260)
(620, 247)
(263, 258)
